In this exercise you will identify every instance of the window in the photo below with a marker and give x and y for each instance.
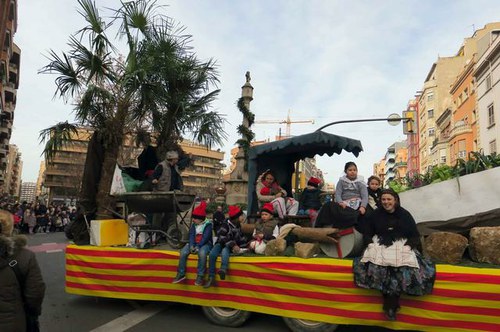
(493, 146)
(491, 115)
(462, 153)
(430, 114)
(442, 156)
(430, 96)
(488, 82)
(432, 131)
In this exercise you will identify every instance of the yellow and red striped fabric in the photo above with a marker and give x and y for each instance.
(320, 289)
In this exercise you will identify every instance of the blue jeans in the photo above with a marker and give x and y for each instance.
(202, 259)
(224, 254)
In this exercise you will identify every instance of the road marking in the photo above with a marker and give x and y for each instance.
(55, 250)
(131, 319)
(48, 243)
(48, 247)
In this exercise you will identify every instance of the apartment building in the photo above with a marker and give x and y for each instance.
(12, 185)
(206, 174)
(487, 77)
(412, 140)
(10, 56)
(28, 192)
(395, 162)
(463, 131)
(63, 173)
(443, 92)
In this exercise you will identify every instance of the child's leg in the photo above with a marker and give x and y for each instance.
(292, 206)
(225, 259)
(202, 259)
(212, 259)
(279, 206)
(181, 269)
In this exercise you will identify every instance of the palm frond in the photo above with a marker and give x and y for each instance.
(56, 137)
(68, 82)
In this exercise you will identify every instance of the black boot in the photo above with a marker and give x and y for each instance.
(222, 274)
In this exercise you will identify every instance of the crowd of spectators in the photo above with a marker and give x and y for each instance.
(37, 217)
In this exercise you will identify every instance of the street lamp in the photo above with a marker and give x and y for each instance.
(393, 119)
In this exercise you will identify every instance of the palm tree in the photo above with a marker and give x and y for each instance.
(159, 87)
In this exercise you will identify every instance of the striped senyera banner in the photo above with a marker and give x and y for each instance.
(320, 289)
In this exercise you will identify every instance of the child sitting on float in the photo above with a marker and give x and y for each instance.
(266, 229)
(269, 191)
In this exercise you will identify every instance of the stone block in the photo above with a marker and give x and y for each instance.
(445, 247)
(275, 247)
(485, 244)
(306, 250)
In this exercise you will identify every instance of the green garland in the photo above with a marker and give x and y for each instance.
(246, 133)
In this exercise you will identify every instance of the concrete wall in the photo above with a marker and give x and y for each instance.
(479, 192)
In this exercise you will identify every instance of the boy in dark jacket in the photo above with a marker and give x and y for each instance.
(200, 242)
(310, 203)
(230, 239)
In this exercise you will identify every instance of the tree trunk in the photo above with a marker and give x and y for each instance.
(103, 198)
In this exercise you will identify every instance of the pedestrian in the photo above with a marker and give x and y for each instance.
(21, 284)
(200, 243)
(392, 262)
(230, 239)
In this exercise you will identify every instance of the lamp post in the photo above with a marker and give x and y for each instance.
(392, 119)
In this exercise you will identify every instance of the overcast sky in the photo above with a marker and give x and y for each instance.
(322, 60)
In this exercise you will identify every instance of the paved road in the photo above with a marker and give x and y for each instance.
(65, 312)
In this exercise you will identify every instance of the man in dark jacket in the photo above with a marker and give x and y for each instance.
(21, 284)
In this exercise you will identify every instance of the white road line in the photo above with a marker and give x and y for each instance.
(131, 319)
(54, 250)
(48, 243)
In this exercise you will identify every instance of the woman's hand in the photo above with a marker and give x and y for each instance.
(362, 210)
(343, 205)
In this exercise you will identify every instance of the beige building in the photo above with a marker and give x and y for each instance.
(436, 101)
(395, 162)
(63, 174)
(13, 171)
(10, 59)
(206, 174)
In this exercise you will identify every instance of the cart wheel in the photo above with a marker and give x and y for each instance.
(226, 316)
(175, 236)
(303, 325)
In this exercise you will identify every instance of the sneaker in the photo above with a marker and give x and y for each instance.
(178, 278)
(222, 274)
(210, 282)
(390, 314)
(199, 281)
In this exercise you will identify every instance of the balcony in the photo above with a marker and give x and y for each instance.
(6, 114)
(460, 128)
(4, 132)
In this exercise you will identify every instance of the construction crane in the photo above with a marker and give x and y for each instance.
(287, 121)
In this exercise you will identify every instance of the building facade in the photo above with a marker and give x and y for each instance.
(446, 106)
(13, 171)
(63, 173)
(10, 56)
(487, 76)
(395, 162)
(206, 174)
(28, 192)
(464, 121)
(412, 140)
